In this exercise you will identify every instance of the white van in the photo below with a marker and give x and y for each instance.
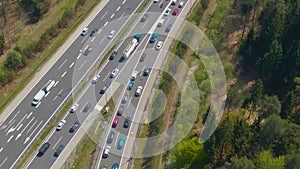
(38, 97)
(49, 85)
(160, 23)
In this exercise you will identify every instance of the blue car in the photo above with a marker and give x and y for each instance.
(130, 85)
(153, 38)
(121, 143)
(115, 166)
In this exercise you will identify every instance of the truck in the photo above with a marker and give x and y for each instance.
(49, 85)
(131, 46)
(38, 97)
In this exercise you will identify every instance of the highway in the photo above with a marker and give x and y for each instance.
(25, 123)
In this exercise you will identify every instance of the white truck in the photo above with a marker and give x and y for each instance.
(38, 97)
(131, 46)
(49, 85)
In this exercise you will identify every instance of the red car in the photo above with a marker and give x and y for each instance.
(175, 11)
(116, 121)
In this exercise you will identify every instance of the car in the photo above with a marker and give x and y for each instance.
(127, 122)
(59, 150)
(111, 34)
(160, 22)
(153, 38)
(104, 167)
(175, 11)
(115, 166)
(43, 149)
(168, 11)
(93, 32)
(121, 143)
(74, 108)
(88, 50)
(74, 127)
(155, 1)
(168, 28)
(130, 85)
(173, 2)
(106, 152)
(103, 89)
(181, 4)
(60, 125)
(146, 71)
(115, 122)
(113, 55)
(84, 31)
(120, 110)
(159, 45)
(114, 73)
(143, 57)
(95, 79)
(138, 91)
(125, 98)
(110, 137)
(134, 75)
(87, 107)
(145, 16)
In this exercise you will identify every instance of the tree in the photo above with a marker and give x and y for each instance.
(265, 160)
(270, 105)
(234, 98)
(292, 161)
(287, 105)
(14, 60)
(239, 163)
(254, 99)
(246, 49)
(241, 136)
(273, 59)
(2, 44)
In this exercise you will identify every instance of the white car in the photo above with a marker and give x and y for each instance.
(181, 4)
(111, 34)
(84, 31)
(173, 2)
(159, 45)
(168, 11)
(95, 79)
(134, 75)
(138, 91)
(60, 125)
(74, 108)
(106, 152)
(114, 73)
(155, 1)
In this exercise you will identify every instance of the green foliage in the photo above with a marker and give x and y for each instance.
(14, 60)
(292, 161)
(35, 8)
(234, 99)
(270, 105)
(265, 160)
(239, 163)
(2, 44)
(287, 105)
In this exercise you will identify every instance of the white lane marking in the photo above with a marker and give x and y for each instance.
(71, 65)
(100, 31)
(56, 143)
(83, 39)
(47, 94)
(144, 25)
(82, 65)
(93, 39)
(122, 15)
(105, 23)
(29, 115)
(8, 127)
(28, 138)
(21, 121)
(124, 2)
(20, 134)
(78, 56)
(103, 15)
(10, 138)
(31, 126)
(85, 48)
(141, 74)
(117, 139)
(112, 15)
(3, 162)
(37, 106)
(14, 117)
(64, 74)
(101, 41)
(118, 8)
(56, 83)
(19, 127)
(1, 149)
(129, 101)
(106, 76)
(62, 64)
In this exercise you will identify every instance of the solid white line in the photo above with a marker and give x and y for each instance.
(82, 65)
(3, 162)
(47, 94)
(31, 126)
(27, 125)
(35, 128)
(29, 115)
(1, 149)
(8, 127)
(93, 39)
(129, 101)
(112, 15)
(100, 31)
(122, 15)
(78, 56)
(59, 93)
(56, 83)
(124, 2)
(105, 23)
(118, 8)
(56, 143)
(14, 117)
(64, 74)
(62, 64)
(71, 65)
(10, 138)
(103, 15)
(21, 120)
(19, 127)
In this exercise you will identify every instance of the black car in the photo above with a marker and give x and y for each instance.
(113, 55)
(59, 150)
(88, 50)
(74, 127)
(120, 110)
(110, 137)
(146, 71)
(145, 16)
(93, 32)
(87, 107)
(127, 122)
(169, 27)
(103, 89)
(43, 149)
(143, 57)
